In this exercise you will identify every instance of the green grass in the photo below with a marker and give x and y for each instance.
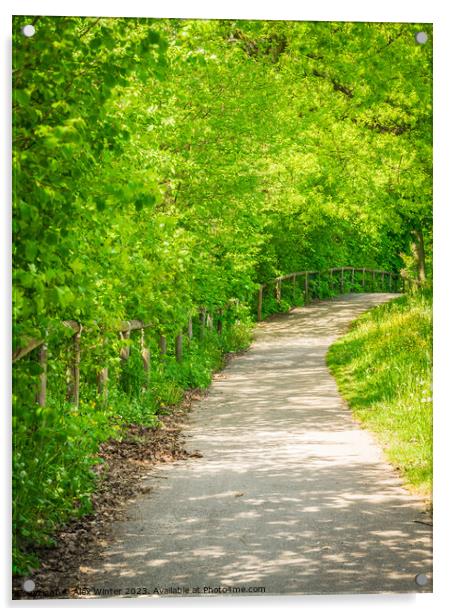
(383, 367)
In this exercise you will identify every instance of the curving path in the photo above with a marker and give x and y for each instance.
(290, 493)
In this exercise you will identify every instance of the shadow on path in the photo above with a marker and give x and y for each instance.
(291, 494)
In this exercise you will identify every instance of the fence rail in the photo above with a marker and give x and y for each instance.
(124, 330)
(393, 281)
(206, 321)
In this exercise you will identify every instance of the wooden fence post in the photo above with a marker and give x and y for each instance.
(125, 335)
(352, 278)
(260, 303)
(363, 278)
(293, 279)
(342, 281)
(306, 288)
(73, 392)
(190, 328)
(179, 347)
(163, 345)
(278, 290)
(102, 383)
(209, 321)
(390, 282)
(202, 318)
(219, 323)
(383, 281)
(42, 391)
(145, 354)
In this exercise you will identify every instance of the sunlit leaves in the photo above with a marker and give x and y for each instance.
(161, 165)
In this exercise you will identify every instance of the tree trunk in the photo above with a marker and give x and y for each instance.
(418, 253)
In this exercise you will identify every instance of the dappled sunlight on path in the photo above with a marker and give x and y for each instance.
(290, 493)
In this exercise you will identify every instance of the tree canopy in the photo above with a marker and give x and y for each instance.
(165, 164)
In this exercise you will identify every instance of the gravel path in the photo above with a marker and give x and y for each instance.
(290, 494)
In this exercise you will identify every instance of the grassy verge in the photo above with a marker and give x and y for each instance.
(383, 367)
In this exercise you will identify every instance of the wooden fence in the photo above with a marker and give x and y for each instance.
(387, 279)
(206, 320)
(124, 331)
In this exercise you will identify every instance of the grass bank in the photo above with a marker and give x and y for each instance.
(383, 367)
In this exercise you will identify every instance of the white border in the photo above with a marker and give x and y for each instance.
(320, 10)
(435, 11)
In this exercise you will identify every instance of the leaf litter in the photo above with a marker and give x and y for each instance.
(124, 464)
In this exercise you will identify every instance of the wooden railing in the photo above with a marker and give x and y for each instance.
(124, 330)
(393, 282)
(206, 321)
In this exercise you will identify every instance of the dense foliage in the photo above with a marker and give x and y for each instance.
(384, 368)
(161, 166)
